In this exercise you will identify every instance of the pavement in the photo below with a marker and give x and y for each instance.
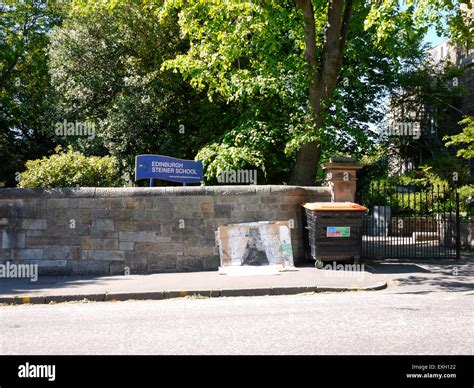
(171, 285)
(426, 276)
(415, 277)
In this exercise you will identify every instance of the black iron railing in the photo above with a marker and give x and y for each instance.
(411, 222)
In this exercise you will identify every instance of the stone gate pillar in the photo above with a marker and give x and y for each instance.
(341, 177)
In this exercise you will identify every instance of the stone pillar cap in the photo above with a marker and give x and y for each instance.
(342, 159)
(341, 166)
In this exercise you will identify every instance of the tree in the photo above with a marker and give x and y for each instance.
(105, 66)
(465, 139)
(274, 85)
(234, 51)
(26, 97)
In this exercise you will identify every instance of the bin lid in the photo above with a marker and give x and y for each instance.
(335, 206)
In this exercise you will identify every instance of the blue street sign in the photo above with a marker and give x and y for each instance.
(167, 168)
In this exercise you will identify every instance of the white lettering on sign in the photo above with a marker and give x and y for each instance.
(166, 164)
(172, 168)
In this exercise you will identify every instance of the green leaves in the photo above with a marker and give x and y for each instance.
(236, 46)
(26, 96)
(231, 74)
(69, 169)
(465, 139)
(106, 63)
(221, 157)
(450, 18)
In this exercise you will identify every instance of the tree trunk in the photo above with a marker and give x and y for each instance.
(323, 74)
(304, 171)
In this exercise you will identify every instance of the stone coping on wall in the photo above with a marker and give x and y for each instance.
(111, 192)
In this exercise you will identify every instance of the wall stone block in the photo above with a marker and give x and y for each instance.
(159, 229)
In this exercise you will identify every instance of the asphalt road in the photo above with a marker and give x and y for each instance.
(394, 321)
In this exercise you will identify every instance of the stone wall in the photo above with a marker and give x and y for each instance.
(103, 230)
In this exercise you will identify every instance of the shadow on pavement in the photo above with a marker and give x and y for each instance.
(431, 275)
(394, 268)
(23, 285)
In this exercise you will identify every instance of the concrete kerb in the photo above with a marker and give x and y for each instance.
(160, 295)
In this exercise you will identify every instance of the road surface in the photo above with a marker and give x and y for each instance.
(394, 321)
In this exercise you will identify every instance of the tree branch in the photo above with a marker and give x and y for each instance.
(339, 14)
(310, 31)
(345, 23)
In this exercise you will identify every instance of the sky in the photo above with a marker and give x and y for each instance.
(432, 38)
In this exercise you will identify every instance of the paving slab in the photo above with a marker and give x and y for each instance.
(171, 285)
